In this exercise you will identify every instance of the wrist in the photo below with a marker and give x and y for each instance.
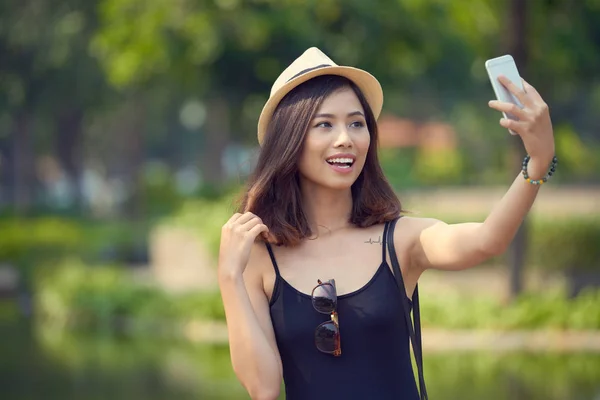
(537, 168)
(532, 169)
(226, 275)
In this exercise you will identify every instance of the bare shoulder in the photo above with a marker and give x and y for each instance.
(258, 257)
(259, 268)
(415, 225)
(407, 234)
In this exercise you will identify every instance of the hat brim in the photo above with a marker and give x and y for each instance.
(367, 83)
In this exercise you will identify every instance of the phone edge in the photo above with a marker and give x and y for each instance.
(499, 60)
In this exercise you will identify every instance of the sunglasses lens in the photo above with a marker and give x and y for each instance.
(324, 298)
(327, 337)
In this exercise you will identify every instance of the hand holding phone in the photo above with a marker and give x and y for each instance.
(526, 113)
(504, 65)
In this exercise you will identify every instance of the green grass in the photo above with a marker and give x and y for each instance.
(530, 311)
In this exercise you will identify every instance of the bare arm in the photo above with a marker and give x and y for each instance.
(459, 246)
(253, 348)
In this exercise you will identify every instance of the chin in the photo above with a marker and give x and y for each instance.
(326, 179)
(329, 184)
(337, 184)
(339, 187)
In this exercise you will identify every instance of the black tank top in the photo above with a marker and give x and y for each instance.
(375, 361)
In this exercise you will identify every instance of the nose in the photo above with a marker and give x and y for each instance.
(343, 139)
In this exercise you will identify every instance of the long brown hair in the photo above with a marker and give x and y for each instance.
(273, 191)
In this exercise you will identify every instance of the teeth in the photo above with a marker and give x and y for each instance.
(340, 160)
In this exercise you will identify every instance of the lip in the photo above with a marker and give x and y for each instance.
(342, 170)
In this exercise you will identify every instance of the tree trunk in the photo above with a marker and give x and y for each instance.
(22, 160)
(135, 153)
(517, 47)
(69, 149)
(6, 172)
(216, 134)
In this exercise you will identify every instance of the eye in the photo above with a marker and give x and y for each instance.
(323, 125)
(357, 124)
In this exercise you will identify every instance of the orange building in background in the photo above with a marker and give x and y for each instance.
(395, 132)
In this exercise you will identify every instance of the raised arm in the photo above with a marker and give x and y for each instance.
(254, 354)
(459, 246)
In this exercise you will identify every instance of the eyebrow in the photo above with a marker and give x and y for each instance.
(352, 114)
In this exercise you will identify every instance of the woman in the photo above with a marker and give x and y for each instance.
(319, 194)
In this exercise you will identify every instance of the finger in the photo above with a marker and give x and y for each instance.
(247, 216)
(508, 108)
(233, 218)
(531, 90)
(250, 224)
(258, 229)
(514, 89)
(515, 126)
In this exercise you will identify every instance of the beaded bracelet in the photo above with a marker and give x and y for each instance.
(545, 178)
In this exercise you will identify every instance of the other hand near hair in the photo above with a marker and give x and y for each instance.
(237, 237)
(534, 125)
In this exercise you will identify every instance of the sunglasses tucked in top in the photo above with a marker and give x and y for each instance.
(327, 334)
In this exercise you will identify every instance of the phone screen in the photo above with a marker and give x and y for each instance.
(506, 66)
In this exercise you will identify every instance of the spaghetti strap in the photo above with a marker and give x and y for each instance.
(383, 250)
(272, 258)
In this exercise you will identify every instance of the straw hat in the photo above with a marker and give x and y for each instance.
(313, 62)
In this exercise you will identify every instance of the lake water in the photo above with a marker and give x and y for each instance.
(41, 363)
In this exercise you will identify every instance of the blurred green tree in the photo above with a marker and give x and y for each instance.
(48, 81)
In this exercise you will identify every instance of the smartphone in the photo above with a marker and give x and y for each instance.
(504, 65)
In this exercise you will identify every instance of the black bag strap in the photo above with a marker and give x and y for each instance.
(413, 330)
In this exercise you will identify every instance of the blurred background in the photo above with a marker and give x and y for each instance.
(128, 127)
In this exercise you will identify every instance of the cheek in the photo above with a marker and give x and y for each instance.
(362, 146)
(309, 158)
(362, 143)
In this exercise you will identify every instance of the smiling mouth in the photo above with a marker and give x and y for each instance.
(341, 162)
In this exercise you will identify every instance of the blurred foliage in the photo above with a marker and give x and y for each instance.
(162, 192)
(543, 310)
(205, 218)
(439, 166)
(408, 168)
(514, 375)
(105, 298)
(576, 158)
(40, 239)
(74, 366)
(565, 243)
(74, 350)
(150, 76)
(397, 166)
(29, 242)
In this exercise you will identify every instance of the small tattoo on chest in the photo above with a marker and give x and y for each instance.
(371, 241)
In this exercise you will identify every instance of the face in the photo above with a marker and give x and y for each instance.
(337, 142)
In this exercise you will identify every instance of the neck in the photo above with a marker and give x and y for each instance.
(327, 209)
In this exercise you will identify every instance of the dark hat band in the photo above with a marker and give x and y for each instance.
(304, 71)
